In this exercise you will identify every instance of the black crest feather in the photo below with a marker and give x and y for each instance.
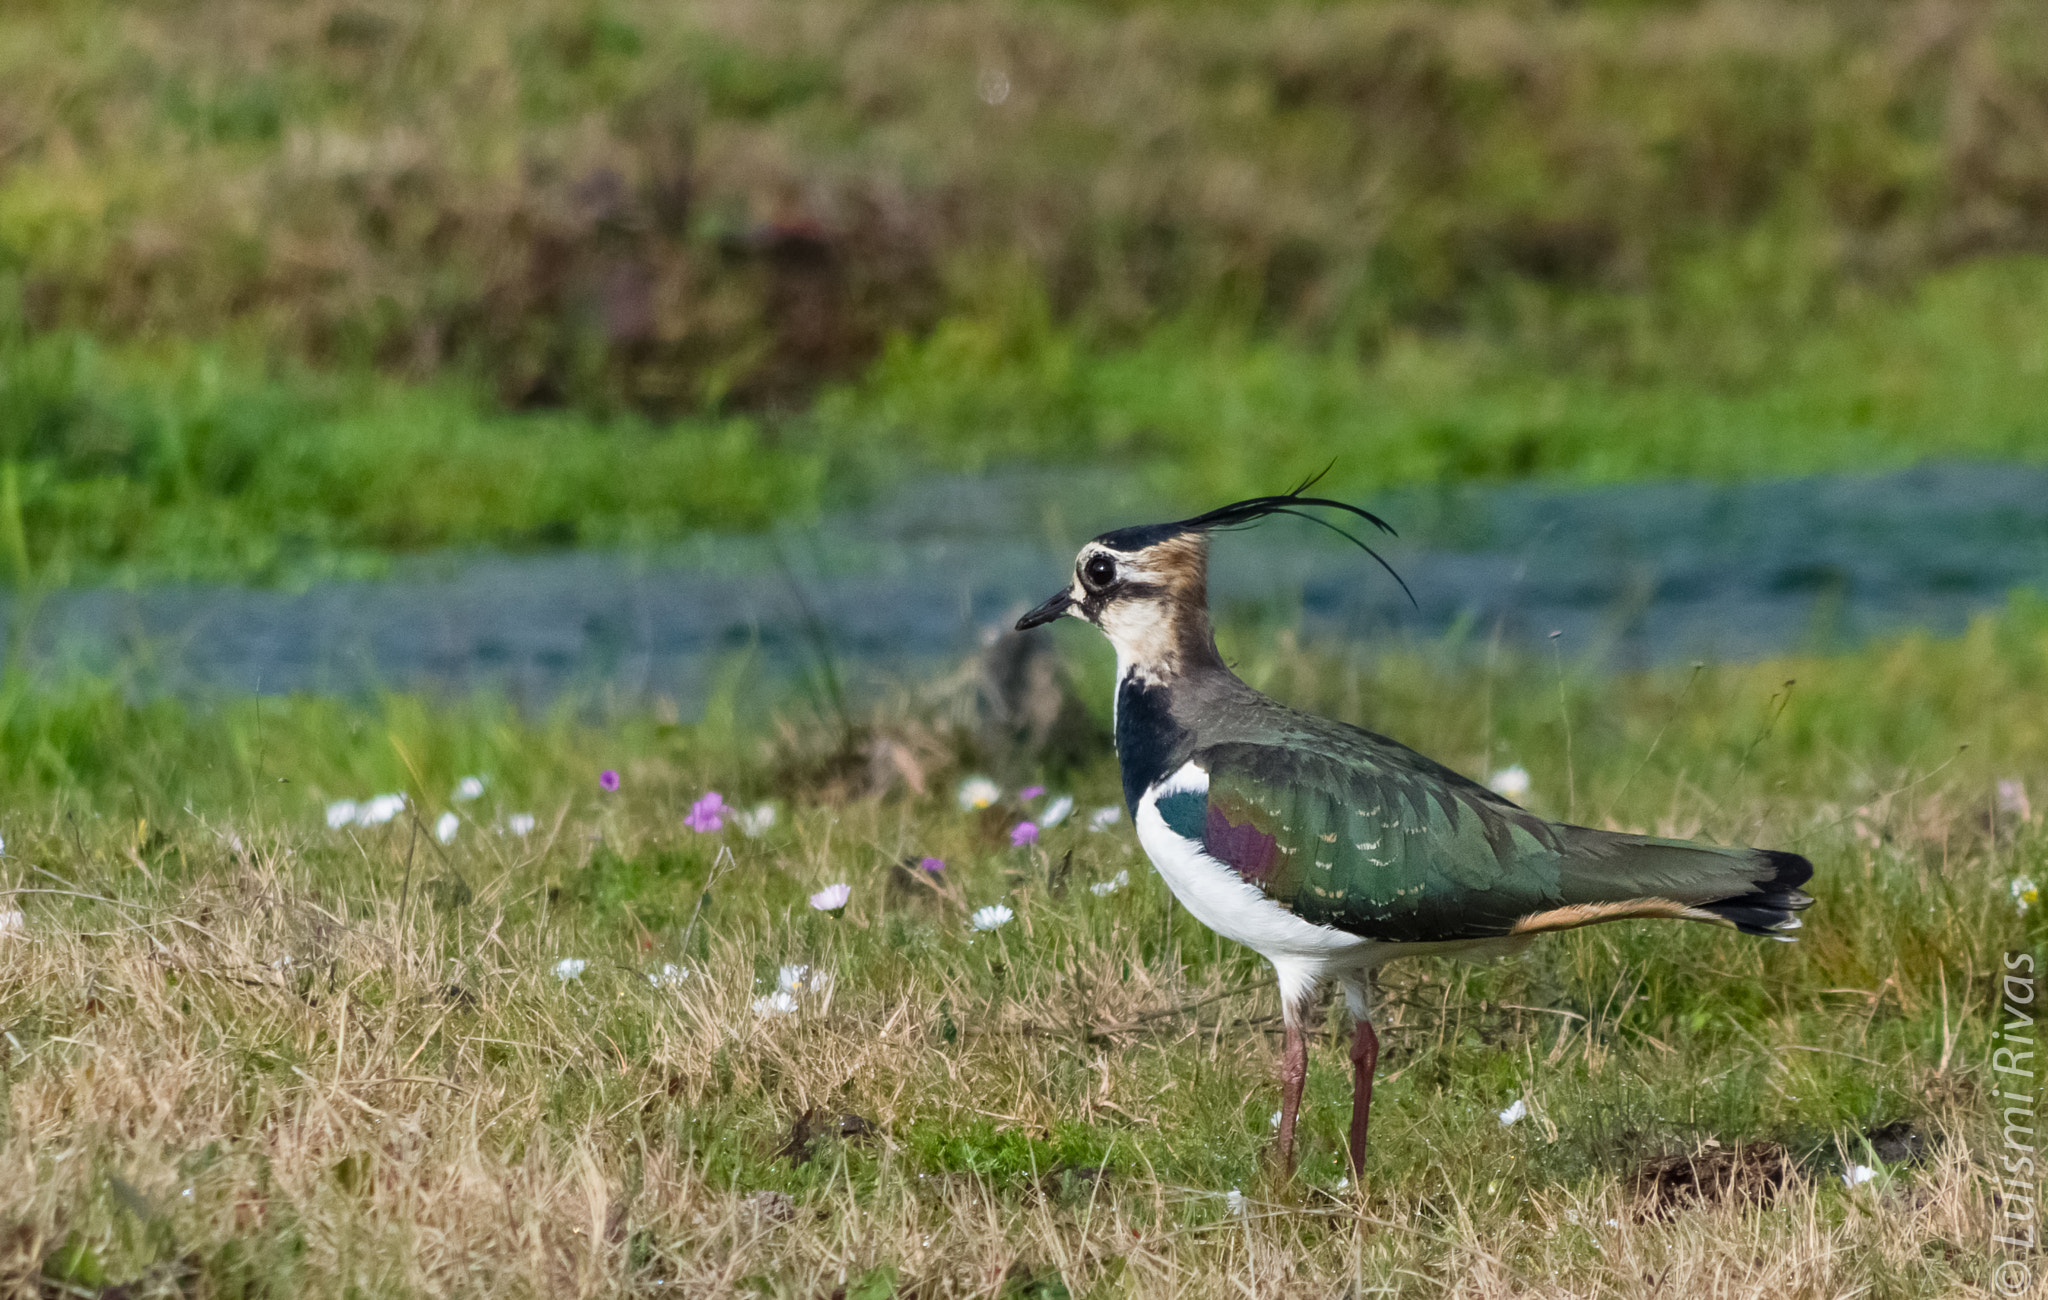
(1245, 513)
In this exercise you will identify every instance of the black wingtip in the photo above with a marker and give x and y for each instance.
(1771, 908)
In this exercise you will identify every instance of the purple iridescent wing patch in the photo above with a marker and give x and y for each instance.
(1232, 836)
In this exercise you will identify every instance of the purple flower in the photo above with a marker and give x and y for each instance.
(1023, 833)
(933, 865)
(1031, 792)
(608, 780)
(707, 814)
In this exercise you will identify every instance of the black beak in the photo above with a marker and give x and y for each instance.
(1047, 612)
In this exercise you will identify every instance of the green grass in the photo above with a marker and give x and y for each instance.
(635, 203)
(1959, 368)
(185, 462)
(287, 289)
(350, 1046)
(181, 465)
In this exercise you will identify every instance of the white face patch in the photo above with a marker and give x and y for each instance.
(1143, 634)
(1143, 611)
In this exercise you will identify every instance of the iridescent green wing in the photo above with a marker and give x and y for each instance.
(1361, 834)
(1352, 830)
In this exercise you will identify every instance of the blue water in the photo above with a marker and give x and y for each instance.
(1629, 575)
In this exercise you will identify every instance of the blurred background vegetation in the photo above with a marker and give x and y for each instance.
(282, 281)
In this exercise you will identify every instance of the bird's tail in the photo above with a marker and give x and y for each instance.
(1606, 876)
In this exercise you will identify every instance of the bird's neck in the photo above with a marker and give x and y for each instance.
(1162, 646)
(1162, 641)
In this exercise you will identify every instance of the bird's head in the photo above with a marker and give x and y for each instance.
(1147, 587)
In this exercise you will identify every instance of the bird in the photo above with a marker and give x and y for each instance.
(1331, 850)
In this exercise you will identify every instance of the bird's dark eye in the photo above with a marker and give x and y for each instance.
(1099, 572)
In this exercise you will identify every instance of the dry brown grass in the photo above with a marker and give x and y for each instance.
(377, 1103)
(246, 1055)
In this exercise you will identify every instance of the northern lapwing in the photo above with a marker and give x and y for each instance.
(1330, 850)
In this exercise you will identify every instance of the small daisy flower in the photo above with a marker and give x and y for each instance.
(1233, 1201)
(803, 979)
(1056, 812)
(756, 822)
(380, 810)
(778, 1003)
(1510, 782)
(13, 925)
(993, 917)
(608, 780)
(1105, 817)
(1857, 1175)
(832, 898)
(978, 792)
(707, 814)
(570, 968)
(468, 788)
(1516, 1111)
(2025, 893)
(445, 827)
(1023, 833)
(521, 824)
(1104, 888)
(340, 813)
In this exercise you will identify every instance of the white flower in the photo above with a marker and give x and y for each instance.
(468, 788)
(520, 823)
(1104, 888)
(1055, 812)
(1857, 1175)
(1105, 817)
(978, 792)
(1274, 1121)
(668, 974)
(13, 924)
(832, 898)
(1233, 1201)
(340, 813)
(993, 917)
(777, 1003)
(802, 979)
(570, 968)
(445, 827)
(753, 823)
(1510, 782)
(1514, 1112)
(379, 810)
(2025, 893)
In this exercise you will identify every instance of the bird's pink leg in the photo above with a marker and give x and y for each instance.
(1365, 1057)
(1293, 1075)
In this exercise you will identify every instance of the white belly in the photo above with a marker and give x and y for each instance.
(1303, 953)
